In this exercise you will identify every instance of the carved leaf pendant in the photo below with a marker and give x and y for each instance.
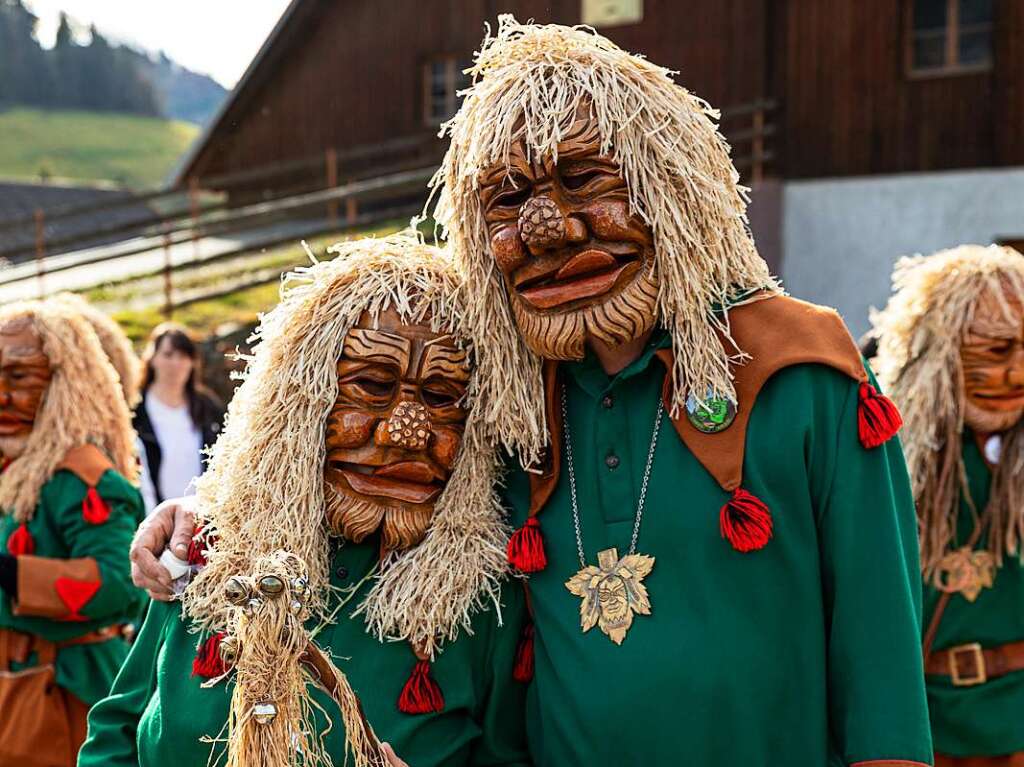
(965, 571)
(612, 592)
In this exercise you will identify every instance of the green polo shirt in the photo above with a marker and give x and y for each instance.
(157, 713)
(805, 653)
(61, 532)
(985, 719)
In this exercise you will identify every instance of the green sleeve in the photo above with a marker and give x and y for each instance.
(114, 720)
(503, 715)
(872, 588)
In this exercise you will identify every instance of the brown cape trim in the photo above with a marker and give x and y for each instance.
(37, 584)
(890, 763)
(776, 332)
(87, 462)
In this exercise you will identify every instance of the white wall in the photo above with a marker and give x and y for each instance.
(841, 237)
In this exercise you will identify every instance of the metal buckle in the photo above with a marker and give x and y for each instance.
(973, 650)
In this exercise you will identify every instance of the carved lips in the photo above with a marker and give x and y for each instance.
(589, 273)
(407, 481)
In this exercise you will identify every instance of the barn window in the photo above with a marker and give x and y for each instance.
(948, 36)
(443, 78)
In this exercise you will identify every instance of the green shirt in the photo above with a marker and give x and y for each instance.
(804, 654)
(986, 719)
(62, 535)
(157, 714)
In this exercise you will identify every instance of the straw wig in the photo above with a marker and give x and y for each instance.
(83, 404)
(264, 491)
(920, 334)
(528, 82)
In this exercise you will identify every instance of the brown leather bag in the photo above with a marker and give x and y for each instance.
(35, 724)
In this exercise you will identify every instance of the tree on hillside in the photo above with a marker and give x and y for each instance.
(25, 76)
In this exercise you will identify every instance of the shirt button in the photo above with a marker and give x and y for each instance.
(607, 401)
(342, 573)
(611, 461)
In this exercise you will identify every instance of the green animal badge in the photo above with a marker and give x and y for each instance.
(712, 415)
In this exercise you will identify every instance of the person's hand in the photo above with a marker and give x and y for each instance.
(171, 522)
(393, 760)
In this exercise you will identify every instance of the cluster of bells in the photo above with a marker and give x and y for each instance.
(251, 595)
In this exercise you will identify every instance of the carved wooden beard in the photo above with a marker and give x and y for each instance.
(992, 355)
(576, 264)
(395, 429)
(24, 377)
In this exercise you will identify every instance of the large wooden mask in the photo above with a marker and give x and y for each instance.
(993, 363)
(24, 377)
(576, 264)
(395, 430)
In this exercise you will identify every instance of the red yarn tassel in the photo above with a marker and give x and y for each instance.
(4, 463)
(197, 548)
(208, 663)
(526, 548)
(21, 543)
(95, 510)
(421, 694)
(878, 419)
(745, 521)
(523, 669)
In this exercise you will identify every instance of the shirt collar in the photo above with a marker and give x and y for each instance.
(590, 376)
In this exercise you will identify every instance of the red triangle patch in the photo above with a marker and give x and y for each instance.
(95, 510)
(21, 543)
(75, 595)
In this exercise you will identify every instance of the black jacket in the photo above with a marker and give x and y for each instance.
(210, 423)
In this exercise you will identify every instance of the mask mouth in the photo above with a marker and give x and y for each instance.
(12, 425)
(408, 481)
(584, 274)
(1014, 398)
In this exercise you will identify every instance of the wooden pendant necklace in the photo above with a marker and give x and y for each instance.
(613, 590)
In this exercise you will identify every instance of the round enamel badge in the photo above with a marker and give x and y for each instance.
(710, 416)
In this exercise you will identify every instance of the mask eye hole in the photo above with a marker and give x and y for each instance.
(438, 394)
(576, 181)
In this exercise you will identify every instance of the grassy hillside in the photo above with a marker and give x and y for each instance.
(90, 146)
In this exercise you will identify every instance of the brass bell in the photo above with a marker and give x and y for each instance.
(264, 712)
(229, 650)
(299, 585)
(296, 606)
(254, 604)
(271, 585)
(236, 591)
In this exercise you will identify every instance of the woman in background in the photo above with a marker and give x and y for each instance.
(177, 417)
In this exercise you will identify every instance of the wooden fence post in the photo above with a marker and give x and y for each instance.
(331, 167)
(168, 285)
(193, 205)
(40, 220)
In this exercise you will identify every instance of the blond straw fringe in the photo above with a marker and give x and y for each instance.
(528, 81)
(83, 405)
(114, 342)
(920, 333)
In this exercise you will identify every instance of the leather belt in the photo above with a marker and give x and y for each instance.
(970, 664)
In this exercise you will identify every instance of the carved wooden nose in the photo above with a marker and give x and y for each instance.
(541, 223)
(409, 426)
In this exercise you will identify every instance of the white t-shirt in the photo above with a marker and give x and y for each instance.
(180, 444)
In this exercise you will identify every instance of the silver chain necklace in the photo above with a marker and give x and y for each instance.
(643, 485)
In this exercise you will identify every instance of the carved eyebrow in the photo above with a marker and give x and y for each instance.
(28, 356)
(363, 343)
(445, 361)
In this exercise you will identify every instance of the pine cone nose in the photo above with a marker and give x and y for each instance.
(409, 426)
(541, 223)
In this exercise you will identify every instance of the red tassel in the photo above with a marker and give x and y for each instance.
(75, 595)
(878, 419)
(745, 521)
(21, 542)
(421, 694)
(523, 669)
(95, 510)
(526, 548)
(208, 663)
(197, 548)
(4, 463)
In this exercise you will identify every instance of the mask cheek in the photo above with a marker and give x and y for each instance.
(350, 428)
(508, 249)
(444, 447)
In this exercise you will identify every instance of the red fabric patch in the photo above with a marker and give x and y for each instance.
(421, 694)
(745, 521)
(526, 548)
(197, 548)
(208, 663)
(75, 595)
(878, 418)
(21, 542)
(4, 463)
(523, 669)
(95, 510)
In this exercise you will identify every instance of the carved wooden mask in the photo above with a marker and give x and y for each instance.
(24, 376)
(395, 429)
(576, 263)
(993, 363)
